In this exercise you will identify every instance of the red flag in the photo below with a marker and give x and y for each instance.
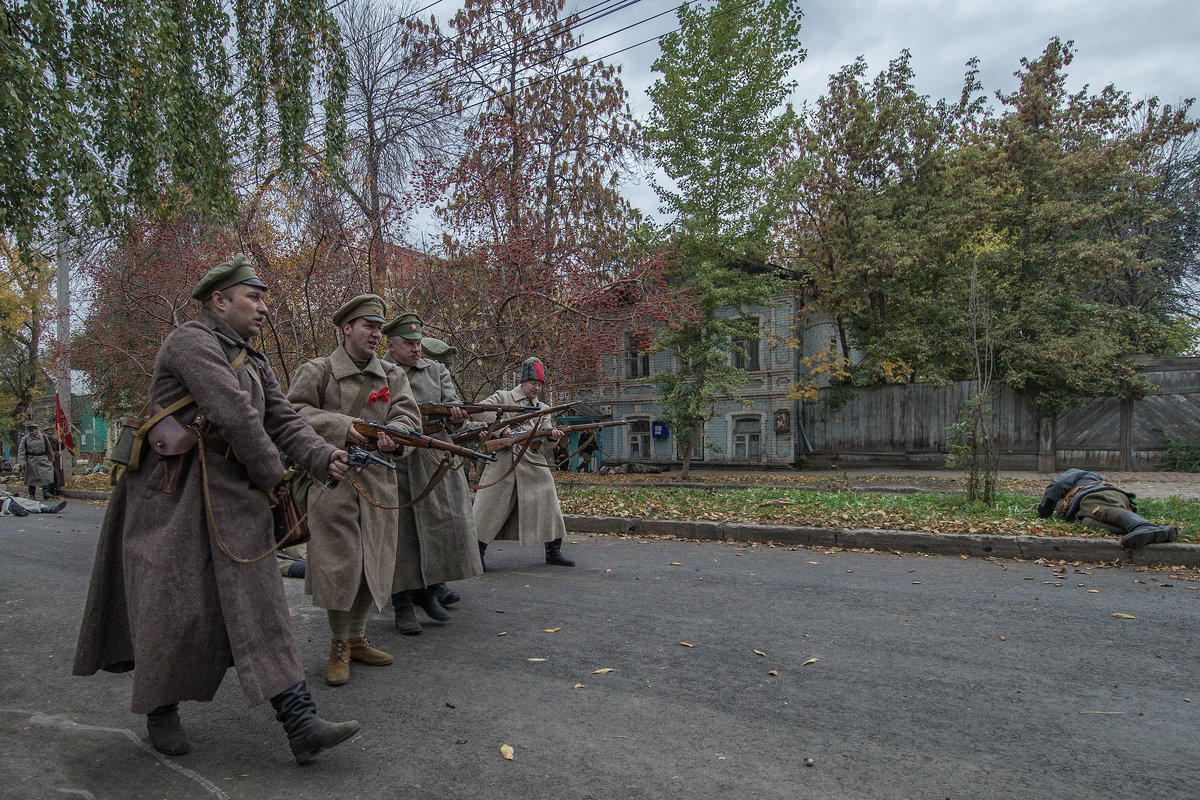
(62, 429)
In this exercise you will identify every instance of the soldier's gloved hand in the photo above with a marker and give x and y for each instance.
(339, 466)
(1046, 507)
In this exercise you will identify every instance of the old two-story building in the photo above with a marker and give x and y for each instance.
(759, 428)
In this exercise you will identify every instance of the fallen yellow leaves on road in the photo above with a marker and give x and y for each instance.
(760, 653)
(810, 661)
(1119, 615)
(687, 644)
(675, 564)
(773, 673)
(603, 671)
(551, 630)
(507, 752)
(535, 659)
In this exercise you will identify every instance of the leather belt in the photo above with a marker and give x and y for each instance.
(219, 446)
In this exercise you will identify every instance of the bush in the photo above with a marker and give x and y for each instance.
(1181, 455)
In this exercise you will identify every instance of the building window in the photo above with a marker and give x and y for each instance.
(747, 439)
(639, 438)
(698, 447)
(745, 353)
(637, 363)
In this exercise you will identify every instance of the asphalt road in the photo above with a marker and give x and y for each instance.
(898, 676)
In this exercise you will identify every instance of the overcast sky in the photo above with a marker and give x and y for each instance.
(1144, 48)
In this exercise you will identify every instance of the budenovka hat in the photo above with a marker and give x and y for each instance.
(368, 306)
(533, 370)
(234, 271)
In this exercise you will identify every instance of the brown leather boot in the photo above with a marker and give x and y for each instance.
(337, 671)
(361, 650)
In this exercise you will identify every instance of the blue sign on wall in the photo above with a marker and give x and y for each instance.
(658, 429)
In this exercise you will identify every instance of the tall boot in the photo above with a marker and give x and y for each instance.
(426, 599)
(307, 733)
(554, 554)
(1140, 532)
(444, 594)
(482, 550)
(406, 617)
(166, 731)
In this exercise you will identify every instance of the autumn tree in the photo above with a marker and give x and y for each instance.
(26, 315)
(715, 123)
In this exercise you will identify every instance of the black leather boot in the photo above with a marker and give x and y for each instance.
(166, 731)
(482, 550)
(444, 594)
(406, 617)
(554, 554)
(1140, 532)
(426, 599)
(307, 733)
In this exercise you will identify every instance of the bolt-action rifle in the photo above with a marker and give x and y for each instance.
(419, 440)
(435, 414)
(499, 444)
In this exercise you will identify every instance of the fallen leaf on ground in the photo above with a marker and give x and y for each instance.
(506, 751)
(675, 564)
(535, 659)
(773, 672)
(760, 653)
(687, 644)
(1093, 591)
(1119, 615)
(502, 633)
(810, 661)
(603, 671)
(579, 686)
(551, 630)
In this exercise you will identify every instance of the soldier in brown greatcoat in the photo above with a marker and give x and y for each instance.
(524, 506)
(352, 552)
(179, 630)
(437, 535)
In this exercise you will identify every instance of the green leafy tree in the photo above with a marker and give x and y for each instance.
(714, 127)
(1063, 167)
(140, 100)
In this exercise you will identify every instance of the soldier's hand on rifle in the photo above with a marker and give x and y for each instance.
(458, 415)
(353, 436)
(339, 467)
(386, 443)
(279, 493)
(556, 434)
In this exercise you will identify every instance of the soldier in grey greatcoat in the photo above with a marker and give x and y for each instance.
(35, 454)
(524, 506)
(180, 629)
(352, 550)
(437, 534)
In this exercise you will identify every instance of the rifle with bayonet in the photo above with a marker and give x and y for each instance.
(419, 440)
(481, 433)
(435, 414)
(493, 445)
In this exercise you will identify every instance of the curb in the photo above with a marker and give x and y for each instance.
(1065, 548)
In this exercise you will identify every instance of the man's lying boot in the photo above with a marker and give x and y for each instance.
(166, 731)
(53, 508)
(406, 616)
(1139, 532)
(307, 733)
(429, 604)
(15, 508)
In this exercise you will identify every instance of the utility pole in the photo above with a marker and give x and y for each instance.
(63, 307)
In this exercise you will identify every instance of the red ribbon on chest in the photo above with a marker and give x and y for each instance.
(384, 394)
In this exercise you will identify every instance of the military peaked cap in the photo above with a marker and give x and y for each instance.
(438, 350)
(234, 271)
(406, 326)
(368, 306)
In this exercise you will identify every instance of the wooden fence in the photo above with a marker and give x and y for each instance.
(909, 425)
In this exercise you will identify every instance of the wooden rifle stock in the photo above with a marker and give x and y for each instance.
(414, 439)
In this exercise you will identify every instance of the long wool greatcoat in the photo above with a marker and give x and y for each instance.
(37, 454)
(164, 600)
(524, 506)
(351, 537)
(437, 535)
